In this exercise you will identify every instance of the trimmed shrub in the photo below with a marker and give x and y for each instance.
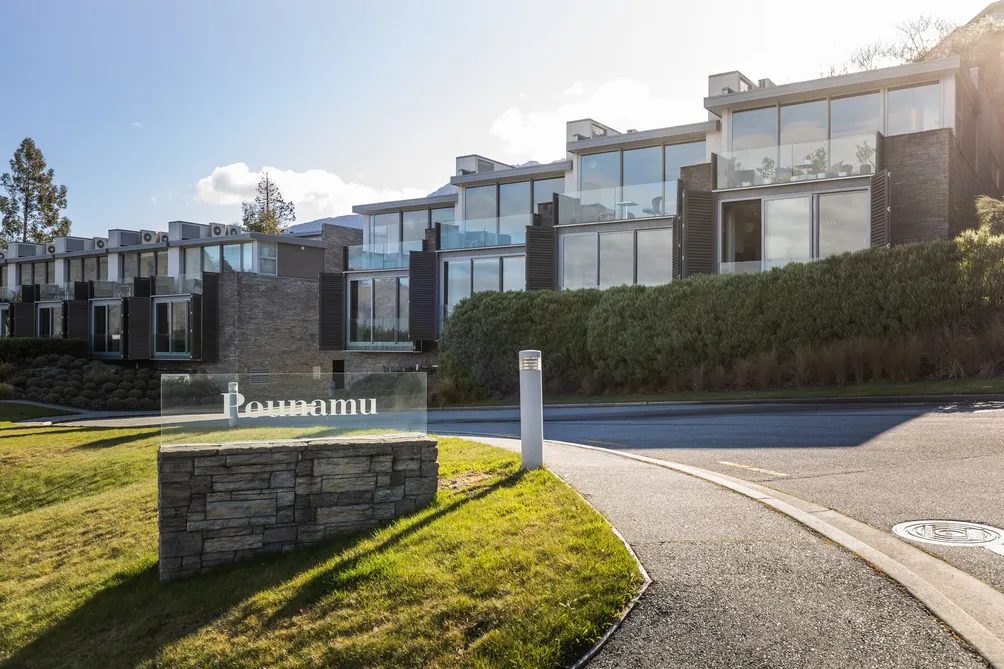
(6, 391)
(482, 338)
(135, 393)
(21, 350)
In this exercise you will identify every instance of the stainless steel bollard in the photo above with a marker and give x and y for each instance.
(531, 409)
(233, 404)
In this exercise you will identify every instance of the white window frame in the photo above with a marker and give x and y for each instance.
(49, 307)
(261, 256)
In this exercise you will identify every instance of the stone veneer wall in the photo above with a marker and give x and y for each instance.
(220, 504)
(919, 163)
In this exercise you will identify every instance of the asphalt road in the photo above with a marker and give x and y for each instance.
(879, 464)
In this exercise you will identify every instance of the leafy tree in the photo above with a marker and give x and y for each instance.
(269, 213)
(31, 208)
(990, 211)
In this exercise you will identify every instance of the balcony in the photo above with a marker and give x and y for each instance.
(792, 163)
(481, 232)
(383, 255)
(622, 203)
(185, 284)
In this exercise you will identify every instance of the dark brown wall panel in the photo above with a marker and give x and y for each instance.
(78, 318)
(210, 316)
(422, 310)
(698, 234)
(303, 262)
(139, 324)
(331, 312)
(540, 258)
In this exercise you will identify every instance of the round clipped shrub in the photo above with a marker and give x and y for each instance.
(19, 381)
(53, 358)
(135, 394)
(153, 395)
(50, 374)
(79, 364)
(98, 405)
(90, 386)
(120, 394)
(81, 403)
(34, 382)
(125, 385)
(130, 404)
(108, 388)
(139, 384)
(147, 404)
(88, 394)
(101, 378)
(48, 382)
(51, 398)
(66, 361)
(114, 404)
(40, 361)
(77, 385)
(6, 391)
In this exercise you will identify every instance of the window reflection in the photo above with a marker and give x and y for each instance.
(642, 194)
(578, 265)
(741, 237)
(913, 109)
(486, 274)
(414, 224)
(655, 256)
(600, 180)
(514, 273)
(843, 222)
(803, 140)
(789, 230)
(616, 259)
(679, 156)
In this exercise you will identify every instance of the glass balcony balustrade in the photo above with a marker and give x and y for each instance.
(621, 203)
(382, 255)
(481, 232)
(806, 161)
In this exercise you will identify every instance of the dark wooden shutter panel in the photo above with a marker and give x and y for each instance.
(139, 323)
(31, 294)
(142, 287)
(23, 318)
(83, 290)
(540, 258)
(881, 208)
(677, 247)
(210, 316)
(422, 310)
(78, 315)
(331, 312)
(195, 327)
(698, 234)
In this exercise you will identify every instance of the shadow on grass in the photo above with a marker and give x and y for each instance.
(130, 622)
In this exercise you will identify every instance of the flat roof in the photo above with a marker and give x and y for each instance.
(676, 132)
(844, 83)
(513, 173)
(249, 236)
(414, 203)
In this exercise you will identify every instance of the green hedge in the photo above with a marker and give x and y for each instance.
(641, 337)
(482, 338)
(24, 349)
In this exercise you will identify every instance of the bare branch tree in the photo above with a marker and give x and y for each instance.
(917, 37)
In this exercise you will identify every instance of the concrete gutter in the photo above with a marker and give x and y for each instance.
(972, 608)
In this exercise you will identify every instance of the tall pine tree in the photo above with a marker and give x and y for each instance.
(31, 207)
(269, 213)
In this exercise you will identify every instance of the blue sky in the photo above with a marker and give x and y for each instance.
(135, 103)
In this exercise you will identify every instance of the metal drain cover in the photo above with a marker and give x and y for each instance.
(955, 533)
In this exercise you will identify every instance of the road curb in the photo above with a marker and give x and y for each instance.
(941, 598)
(809, 401)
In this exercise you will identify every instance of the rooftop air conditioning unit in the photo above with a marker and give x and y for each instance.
(100, 243)
(233, 229)
(51, 248)
(148, 237)
(3, 255)
(216, 230)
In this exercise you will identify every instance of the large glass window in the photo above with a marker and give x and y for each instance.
(170, 327)
(803, 140)
(514, 273)
(192, 260)
(458, 283)
(843, 222)
(232, 258)
(789, 230)
(643, 190)
(414, 224)
(444, 215)
(480, 202)
(616, 259)
(50, 321)
(147, 264)
(578, 263)
(679, 156)
(544, 190)
(754, 129)
(913, 109)
(91, 269)
(486, 274)
(403, 309)
(361, 311)
(386, 228)
(130, 265)
(102, 268)
(655, 256)
(742, 240)
(384, 309)
(210, 258)
(247, 256)
(268, 258)
(515, 212)
(754, 148)
(162, 263)
(39, 274)
(854, 121)
(74, 270)
(600, 181)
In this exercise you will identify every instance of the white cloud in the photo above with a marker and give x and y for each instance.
(136, 124)
(316, 193)
(621, 104)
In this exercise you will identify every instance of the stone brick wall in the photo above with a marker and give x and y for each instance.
(220, 504)
(697, 177)
(269, 322)
(384, 361)
(963, 188)
(336, 237)
(919, 163)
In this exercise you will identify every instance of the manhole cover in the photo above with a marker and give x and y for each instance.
(953, 533)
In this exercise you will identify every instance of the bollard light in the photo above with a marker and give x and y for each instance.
(233, 405)
(531, 409)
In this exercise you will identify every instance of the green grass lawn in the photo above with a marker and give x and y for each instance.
(969, 386)
(504, 569)
(14, 411)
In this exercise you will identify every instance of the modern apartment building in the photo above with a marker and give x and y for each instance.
(776, 174)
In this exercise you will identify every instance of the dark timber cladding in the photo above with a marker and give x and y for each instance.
(23, 319)
(195, 325)
(422, 311)
(139, 317)
(540, 259)
(78, 314)
(698, 234)
(677, 267)
(210, 316)
(331, 312)
(881, 208)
